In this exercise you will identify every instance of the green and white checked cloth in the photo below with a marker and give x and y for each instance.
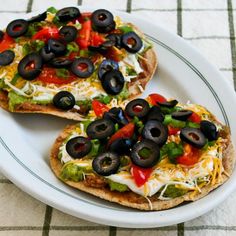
(210, 26)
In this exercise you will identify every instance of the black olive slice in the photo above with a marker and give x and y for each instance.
(1, 35)
(209, 130)
(168, 104)
(102, 21)
(193, 136)
(155, 131)
(38, 18)
(116, 115)
(98, 49)
(46, 55)
(107, 65)
(102, 48)
(82, 67)
(17, 28)
(106, 163)
(68, 33)
(181, 115)
(116, 38)
(113, 82)
(100, 129)
(30, 66)
(56, 46)
(78, 147)
(121, 146)
(107, 29)
(64, 100)
(6, 57)
(137, 107)
(60, 62)
(155, 114)
(68, 13)
(145, 154)
(131, 42)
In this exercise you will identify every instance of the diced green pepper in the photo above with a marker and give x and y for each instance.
(173, 122)
(126, 29)
(95, 148)
(172, 150)
(192, 124)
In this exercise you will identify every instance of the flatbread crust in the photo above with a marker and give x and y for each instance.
(134, 200)
(148, 63)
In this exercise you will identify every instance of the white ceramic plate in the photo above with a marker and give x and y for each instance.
(25, 140)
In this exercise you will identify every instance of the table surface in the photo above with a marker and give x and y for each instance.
(210, 26)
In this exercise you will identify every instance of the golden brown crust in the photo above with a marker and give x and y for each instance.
(133, 200)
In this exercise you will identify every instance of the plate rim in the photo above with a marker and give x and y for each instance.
(118, 223)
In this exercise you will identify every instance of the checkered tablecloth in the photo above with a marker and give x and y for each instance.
(210, 26)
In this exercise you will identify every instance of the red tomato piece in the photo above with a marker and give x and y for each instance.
(173, 130)
(155, 97)
(125, 132)
(190, 157)
(83, 17)
(195, 118)
(84, 34)
(96, 39)
(48, 75)
(140, 175)
(99, 108)
(6, 42)
(46, 33)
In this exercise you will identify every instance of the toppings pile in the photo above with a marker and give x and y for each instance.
(65, 57)
(150, 147)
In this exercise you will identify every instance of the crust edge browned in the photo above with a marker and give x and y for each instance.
(133, 200)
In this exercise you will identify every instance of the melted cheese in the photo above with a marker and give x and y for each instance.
(166, 173)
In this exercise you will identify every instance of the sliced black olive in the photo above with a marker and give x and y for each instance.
(155, 131)
(116, 115)
(107, 29)
(100, 129)
(155, 114)
(98, 49)
(68, 13)
(168, 104)
(107, 65)
(102, 48)
(60, 62)
(193, 136)
(121, 146)
(116, 38)
(209, 130)
(78, 147)
(137, 107)
(56, 46)
(181, 115)
(17, 28)
(6, 57)
(103, 21)
(145, 154)
(30, 66)
(1, 35)
(82, 67)
(68, 33)
(131, 42)
(64, 100)
(38, 18)
(113, 82)
(46, 55)
(106, 163)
